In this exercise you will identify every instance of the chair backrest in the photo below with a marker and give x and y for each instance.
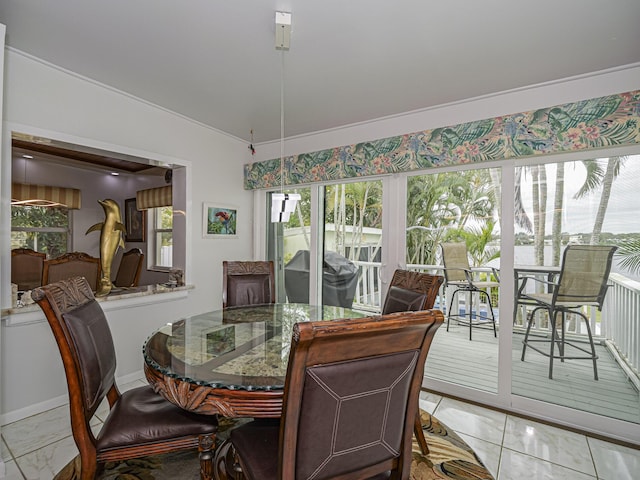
(584, 274)
(129, 270)
(411, 291)
(69, 265)
(455, 260)
(351, 395)
(26, 268)
(86, 347)
(248, 283)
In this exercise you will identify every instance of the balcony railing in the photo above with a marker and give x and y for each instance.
(617, 325)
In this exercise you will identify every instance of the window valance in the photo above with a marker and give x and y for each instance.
(585, 125)
(45, 196)
(154, 198)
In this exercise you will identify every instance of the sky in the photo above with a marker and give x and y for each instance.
(623, 211)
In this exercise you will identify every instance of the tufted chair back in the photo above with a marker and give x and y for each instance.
(140, 422)
(350, 401)
(411, 291)
(247, 283)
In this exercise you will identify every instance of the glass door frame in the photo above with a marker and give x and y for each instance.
(394, 220)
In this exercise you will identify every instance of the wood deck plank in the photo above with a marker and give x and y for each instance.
(455, 359)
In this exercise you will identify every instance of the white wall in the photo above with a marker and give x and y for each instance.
(46, 101)
(622, 79)
(52, 103)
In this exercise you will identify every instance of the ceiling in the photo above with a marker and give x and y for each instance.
(350, 60)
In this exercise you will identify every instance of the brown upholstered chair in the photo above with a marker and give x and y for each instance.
(140, 422)
(247, 283)
(129, 269)
(69, 265)
(350, 401)
(26, 268)
(413, 291)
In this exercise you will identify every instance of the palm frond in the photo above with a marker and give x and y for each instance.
(629, 253)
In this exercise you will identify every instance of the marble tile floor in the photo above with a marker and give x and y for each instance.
(511, 447)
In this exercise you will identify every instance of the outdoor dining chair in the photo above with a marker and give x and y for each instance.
(460, 279)
(582, 283)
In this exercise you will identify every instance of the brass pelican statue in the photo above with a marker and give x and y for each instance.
(110, 239)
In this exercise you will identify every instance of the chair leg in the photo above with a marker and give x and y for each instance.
(490, 307)
(453, 297)
(552, 320)
(419, 434)
(526, 335)
(88, 467)
(206, 444)
(470, 313)
(593, 348)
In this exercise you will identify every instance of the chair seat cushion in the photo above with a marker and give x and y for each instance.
(257, 445)
(142, 416)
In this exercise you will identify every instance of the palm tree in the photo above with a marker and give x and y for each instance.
(437, 203)
(596, 177)
(558, 205)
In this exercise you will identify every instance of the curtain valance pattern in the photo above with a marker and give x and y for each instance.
(588, 124)
(44, 195)
(154, 198)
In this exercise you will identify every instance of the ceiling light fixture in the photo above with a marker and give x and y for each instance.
(282, 204)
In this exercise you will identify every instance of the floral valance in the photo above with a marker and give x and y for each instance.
(588, 124)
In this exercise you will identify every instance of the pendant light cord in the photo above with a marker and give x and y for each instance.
(282, 121)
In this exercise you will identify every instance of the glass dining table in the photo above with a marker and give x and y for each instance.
(230, 362)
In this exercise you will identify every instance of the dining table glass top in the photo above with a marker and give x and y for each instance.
(237, 348)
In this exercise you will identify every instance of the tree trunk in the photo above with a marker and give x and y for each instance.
(607, 183)
(539, 211)
(558, 205)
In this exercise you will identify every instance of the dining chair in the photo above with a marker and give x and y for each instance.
(26, 268)
(412, 291)
(247, 283)
(458, 278)
(582, 282)
(140, 422)
(69, 265)
(128, 274)
(350, 402)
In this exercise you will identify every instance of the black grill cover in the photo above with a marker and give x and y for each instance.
(339, 279)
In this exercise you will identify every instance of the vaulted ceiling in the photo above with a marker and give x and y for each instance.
(350, 61)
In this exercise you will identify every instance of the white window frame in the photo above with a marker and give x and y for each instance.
(153, 249)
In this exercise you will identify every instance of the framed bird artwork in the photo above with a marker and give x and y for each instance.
(219, 221)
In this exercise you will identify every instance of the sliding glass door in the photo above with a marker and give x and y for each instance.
(579, 203)
(508, 217)
(460, 210)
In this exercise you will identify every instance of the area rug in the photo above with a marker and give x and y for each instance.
(449, 457)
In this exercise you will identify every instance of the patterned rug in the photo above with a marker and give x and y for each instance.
(449, 458)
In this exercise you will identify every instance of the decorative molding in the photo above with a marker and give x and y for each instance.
(591, 124)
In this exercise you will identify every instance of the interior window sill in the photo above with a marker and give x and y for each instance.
(117, 299)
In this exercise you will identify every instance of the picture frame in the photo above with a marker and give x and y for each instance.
(134, 221)
(219, 221)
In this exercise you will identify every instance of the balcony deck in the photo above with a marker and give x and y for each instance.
(453, 358)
